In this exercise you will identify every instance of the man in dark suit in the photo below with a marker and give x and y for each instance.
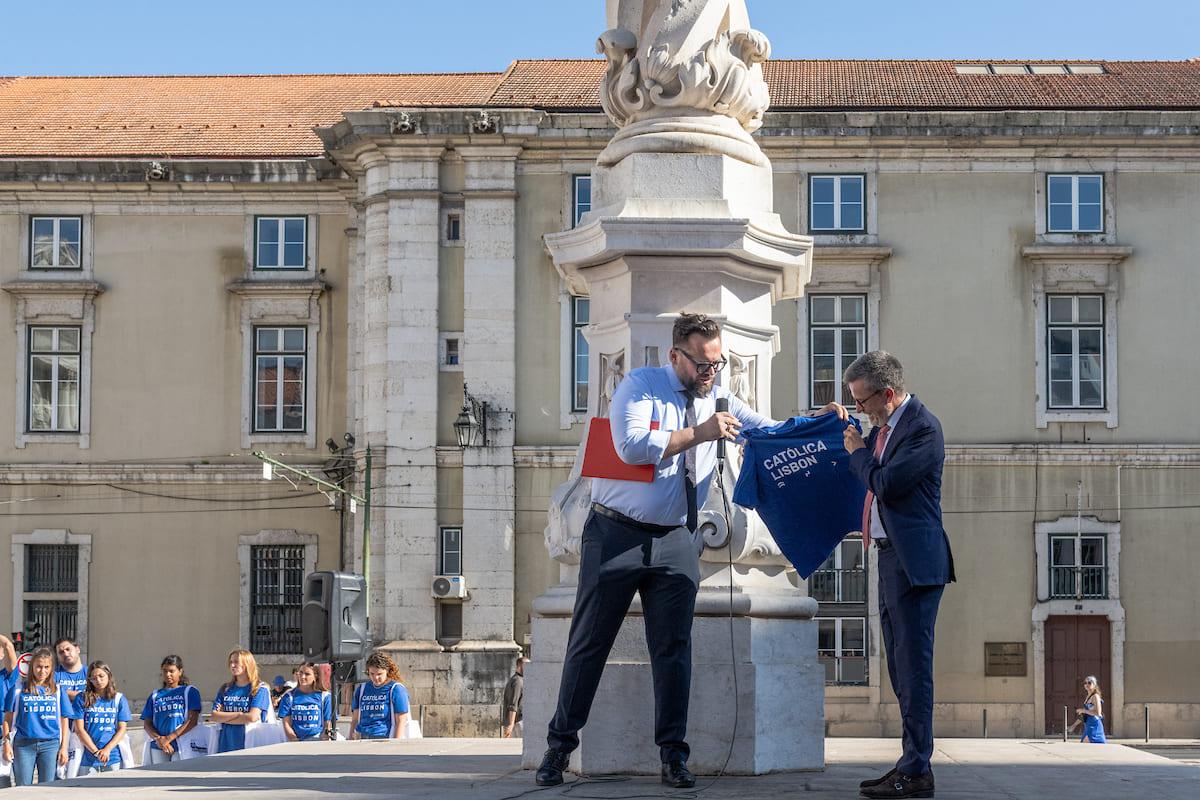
(901, 465)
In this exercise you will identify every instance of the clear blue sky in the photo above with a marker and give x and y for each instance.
(137, 37)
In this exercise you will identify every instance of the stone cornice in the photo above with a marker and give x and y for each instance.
(1107, 255)
(563, 457)
(850, 254)
(1133, 455)
(28, 289)
(309, 289)
(142, 473)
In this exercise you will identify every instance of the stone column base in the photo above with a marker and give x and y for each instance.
(776, 722)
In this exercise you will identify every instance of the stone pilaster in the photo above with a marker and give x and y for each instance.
(489, 331)
(398, 332)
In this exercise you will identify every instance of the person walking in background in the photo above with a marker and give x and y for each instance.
(900, 463)
(307, 710)
(242, 700)
(511, 703)
(1091, 714)
(381, 705)
(170, 712)
(36, 718)
(101, 716)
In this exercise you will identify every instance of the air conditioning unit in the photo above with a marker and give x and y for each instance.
(449, 587)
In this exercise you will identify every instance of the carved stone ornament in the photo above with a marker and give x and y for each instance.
(403, 123)
(483, 122)
(612, 370)
(683, 76)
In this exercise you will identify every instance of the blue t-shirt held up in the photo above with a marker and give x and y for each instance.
(239, 700)
(100, 722)
(797, 476)
(307, 711)
(168, 709)
(377, 707)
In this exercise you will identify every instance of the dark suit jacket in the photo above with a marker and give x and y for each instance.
(908, 488)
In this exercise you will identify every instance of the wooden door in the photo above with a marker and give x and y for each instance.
(1075, 647)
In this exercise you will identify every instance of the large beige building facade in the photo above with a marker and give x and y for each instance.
(199, 268)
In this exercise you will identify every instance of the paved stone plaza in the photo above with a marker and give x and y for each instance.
(489, 769)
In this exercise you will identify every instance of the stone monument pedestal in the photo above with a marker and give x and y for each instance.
(755, 687)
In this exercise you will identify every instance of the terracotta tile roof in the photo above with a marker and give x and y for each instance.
(245, 116)
(937, 85)
(271, 116)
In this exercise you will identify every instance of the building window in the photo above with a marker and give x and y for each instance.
(453, 227)
(1075, 350)
(50, 582)
(449, 623)
(451, 357)
(837, 327)
(277, 595)
(842, 578)
(1078, 568)
(450, 551)
(55, 242)
(837, 203)
(279, 369)
(54, 359)
(52, 569)
(281, 242)
(841, 647)
(581, 197)
(580, 314)
(1075, 203)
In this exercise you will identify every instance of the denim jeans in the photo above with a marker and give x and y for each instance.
(27, 753)
(98, 767)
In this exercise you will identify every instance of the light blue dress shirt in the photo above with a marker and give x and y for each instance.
(649, 394)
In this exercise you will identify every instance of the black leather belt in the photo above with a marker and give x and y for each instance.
(648, 527)
(883, 544)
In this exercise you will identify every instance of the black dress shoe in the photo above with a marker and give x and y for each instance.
(901, 785)
(676, 775)
(877, 781)
(551, 770)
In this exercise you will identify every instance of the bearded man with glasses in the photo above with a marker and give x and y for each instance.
(641, 538)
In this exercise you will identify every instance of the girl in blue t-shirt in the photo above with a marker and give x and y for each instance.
(243, 700)
(381, 706)
(101, 715)
(307, 710)
(170, 712)
(36, 714)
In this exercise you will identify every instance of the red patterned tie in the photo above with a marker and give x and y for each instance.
(880, 441)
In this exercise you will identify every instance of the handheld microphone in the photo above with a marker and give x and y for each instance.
(722, 405)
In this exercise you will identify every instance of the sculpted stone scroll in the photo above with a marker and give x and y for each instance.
(684, 76)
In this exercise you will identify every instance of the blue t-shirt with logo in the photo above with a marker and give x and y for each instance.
(377, 707)
(797, 476)
(239, 700)
(73, 681)
(37, 713)
(100, 723)
(168, 709)
(308, 712)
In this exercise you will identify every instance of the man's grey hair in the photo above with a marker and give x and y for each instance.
(879, 370)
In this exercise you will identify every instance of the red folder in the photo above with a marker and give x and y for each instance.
(600, 459)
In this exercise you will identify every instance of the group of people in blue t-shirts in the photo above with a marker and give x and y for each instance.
(53, 713)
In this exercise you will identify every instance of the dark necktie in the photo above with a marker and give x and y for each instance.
(880, 441)
(689, 463)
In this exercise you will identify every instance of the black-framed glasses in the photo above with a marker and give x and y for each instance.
(863, 402)
(705, 366)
